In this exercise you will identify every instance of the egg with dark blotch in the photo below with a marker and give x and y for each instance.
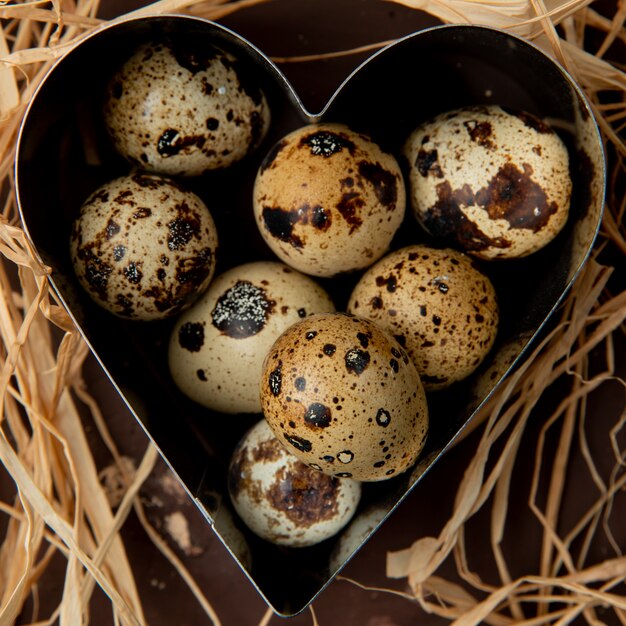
(328, 200)
(217, 347)
(183, 109)
(143, 247)
(438, 304)
(492, 182)
(343, 396)
(283, 500)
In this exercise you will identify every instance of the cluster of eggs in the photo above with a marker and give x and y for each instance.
(343, 394)
(144, 247)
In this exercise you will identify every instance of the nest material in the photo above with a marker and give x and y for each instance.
(61, 505)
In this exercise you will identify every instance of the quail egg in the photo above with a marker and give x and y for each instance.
(328, 200)
(437, 304)
(493, 182)
(143, 247)
(217, 347)
(360, 528)
(344, 397)
(183, 109)
(283, 500)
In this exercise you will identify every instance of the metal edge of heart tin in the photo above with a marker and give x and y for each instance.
(60, 156)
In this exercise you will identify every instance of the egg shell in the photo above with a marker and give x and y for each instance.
(283, 500)
(355, 534)
(438, 304)
(328, 200)
(143, 247)
(184, 109)
(234, 539)
(344, 397)
(498, 367)
(217, 347)
(492, 182)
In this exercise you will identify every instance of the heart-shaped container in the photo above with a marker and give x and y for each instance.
(64, 154)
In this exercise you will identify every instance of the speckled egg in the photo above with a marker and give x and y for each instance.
(492, 182)
(184, 109)
(217, 347)
(328, 200)
(283, 500)
(344, 397)
(356, 533)
(437, 304)
(143, 247)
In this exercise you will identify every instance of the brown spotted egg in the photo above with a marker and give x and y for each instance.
(493, 182)
(328, 200)
(283, 500)
(182, 110)
(437, 304)
(217, 347)
(143, 247)
(343, 396)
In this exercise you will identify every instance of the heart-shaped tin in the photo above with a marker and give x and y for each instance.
(64, 154)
